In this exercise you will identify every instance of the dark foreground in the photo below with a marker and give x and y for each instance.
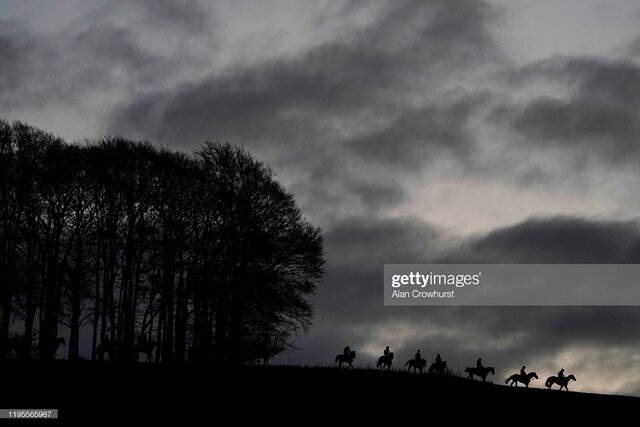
(91, 393)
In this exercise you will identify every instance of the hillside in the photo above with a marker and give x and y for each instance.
(110, 391)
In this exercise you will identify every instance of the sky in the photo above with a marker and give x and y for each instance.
(503, 131)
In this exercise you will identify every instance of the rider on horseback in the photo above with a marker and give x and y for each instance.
(479, 363)
(523, 372)
(561, 373)
(346, 351)
(418, 357)
(438, 360)
(386, 352)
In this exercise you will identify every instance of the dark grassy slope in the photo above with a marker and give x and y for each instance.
(101, 391)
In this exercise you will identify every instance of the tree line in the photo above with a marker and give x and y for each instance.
(120, 241)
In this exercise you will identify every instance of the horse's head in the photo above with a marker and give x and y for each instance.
(572, 377)
(353, 354)
(391, 355)
(533, 375)
(444, 364)
(492, 370)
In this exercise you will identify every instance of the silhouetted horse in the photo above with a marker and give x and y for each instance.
(145, 348)
(15, 346)
(416, 365)
(346, 358)
(438, 368)
(385, 361)
(562, 382)
(107, 348)
(480, 372)
(517, 378)
(60, 341)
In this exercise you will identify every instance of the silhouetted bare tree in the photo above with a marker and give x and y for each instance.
(206, 253)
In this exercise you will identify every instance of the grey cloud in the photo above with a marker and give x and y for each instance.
(18, 48)
(357, 248)
(599, 78)
(376, 195)
(336, 81)
(555, 241)
(190, 15)
(633, 48)
(98, 58)
(293, 111)
(420, 134)
(599, 117)
(109, 46)
(70, 67)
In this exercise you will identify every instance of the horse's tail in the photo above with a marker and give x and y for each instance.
(549, 382)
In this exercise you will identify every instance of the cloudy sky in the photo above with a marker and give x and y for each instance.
(503, 131)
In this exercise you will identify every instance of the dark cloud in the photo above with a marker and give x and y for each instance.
(559, 240)
(18, 48)
(594, 77)
(420, 134)
(300, 111)
(71, 67)
(376, 195)
(363, 77)
(598, 118)
(100, 56)
(633, 48)
(188, 15)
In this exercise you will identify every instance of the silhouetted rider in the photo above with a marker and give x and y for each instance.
(561, 373)
(386, 352)
(347, 351)
(418, 356)
(523, 372)
(438, 360)
(479, 364)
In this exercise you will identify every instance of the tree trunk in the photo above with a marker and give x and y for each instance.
(76, 287)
